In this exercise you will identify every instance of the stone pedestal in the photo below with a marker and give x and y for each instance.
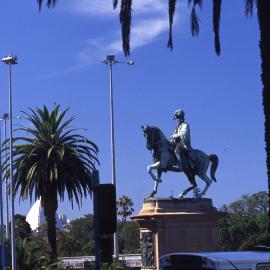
(176, 225)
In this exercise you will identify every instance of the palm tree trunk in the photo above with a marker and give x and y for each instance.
(126, 235)
(264, 23)
(50, 207)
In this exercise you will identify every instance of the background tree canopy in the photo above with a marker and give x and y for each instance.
(244, 224)
(244, 219)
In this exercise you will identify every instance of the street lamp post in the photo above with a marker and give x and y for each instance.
(1, 202)
(11, 60)
(5, 118)
(110, 60)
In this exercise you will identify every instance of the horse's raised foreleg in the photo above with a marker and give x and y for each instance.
(154, 192)
(152, 167)
(156, 177)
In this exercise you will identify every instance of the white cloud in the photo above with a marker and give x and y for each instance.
(149, 6)
(102, 7)
(144, 32)
(147, 30)
(90, 7)
(150, 20)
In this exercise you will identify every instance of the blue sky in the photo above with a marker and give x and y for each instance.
(59, 54)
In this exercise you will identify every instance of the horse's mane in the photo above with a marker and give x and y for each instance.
(161, 134)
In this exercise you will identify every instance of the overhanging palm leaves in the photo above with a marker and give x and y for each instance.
(249, 6)
(216, 22)
(125, 16)
(172, 4)
(51, 161)
(50, 3)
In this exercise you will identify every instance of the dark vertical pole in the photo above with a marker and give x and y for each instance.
(13, 240)
(1, 205)
(6, 179)
(96, 220)
(116, 248)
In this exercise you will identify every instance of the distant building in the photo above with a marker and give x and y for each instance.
(35, 217)
(63, 218)
(65, 222)
(133, 261)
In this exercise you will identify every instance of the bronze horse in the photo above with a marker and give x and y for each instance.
(165, 160)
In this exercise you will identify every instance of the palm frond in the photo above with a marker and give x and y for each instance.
(172, 4)
(51, 155)
(249, 7)
(39, 4)
(216, 23)
(115, 2)
(194, 22)
(125, 20)
(50, 3)
(195, 2)
(198, 2)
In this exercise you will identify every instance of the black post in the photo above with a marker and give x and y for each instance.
(96, 219)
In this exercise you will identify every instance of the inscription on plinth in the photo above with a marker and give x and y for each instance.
(176, 225)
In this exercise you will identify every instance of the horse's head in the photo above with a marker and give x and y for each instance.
(147, 134)
(151, 136)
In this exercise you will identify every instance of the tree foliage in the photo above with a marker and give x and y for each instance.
(124, 210)
(32, 253)
(125, 16)
(50, 161)
(79, 240)
(22, 227)
(124, 207)
(243, 219)
(130, 245)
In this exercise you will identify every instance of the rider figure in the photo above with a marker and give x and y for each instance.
(182, 141)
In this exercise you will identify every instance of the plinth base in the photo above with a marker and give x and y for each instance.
(176, 225)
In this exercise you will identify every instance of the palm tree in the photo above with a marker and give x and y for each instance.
(263, 13)
(50, 161)
(124, 209)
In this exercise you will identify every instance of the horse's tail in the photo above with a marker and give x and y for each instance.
(214, 165)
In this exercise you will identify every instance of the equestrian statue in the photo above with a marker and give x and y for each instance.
(177, 155)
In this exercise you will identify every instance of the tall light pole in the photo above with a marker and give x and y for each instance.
(110, 61)
(5, 118)
(11, 60)
(1, 202)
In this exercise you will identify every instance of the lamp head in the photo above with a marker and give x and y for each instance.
(110, 58)
(10, 60)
